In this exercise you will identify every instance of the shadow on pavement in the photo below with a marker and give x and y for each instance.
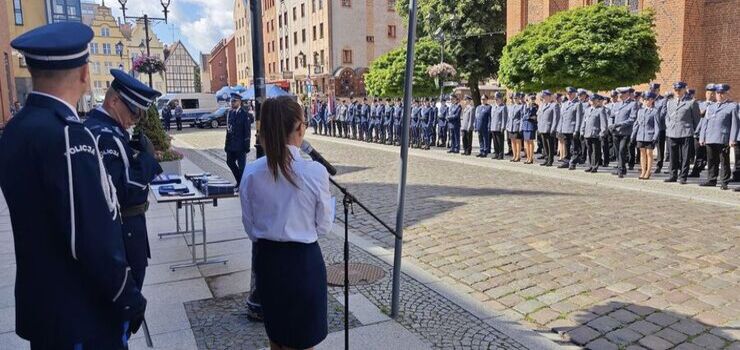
(619, 325)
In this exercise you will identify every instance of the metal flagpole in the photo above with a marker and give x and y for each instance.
(407, 95)
(258, 65)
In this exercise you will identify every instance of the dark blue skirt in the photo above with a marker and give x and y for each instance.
(291, 278)
(529, 135)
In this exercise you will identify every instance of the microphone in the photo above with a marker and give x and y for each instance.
(316, 156)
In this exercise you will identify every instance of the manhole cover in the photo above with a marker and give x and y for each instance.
(359, 274)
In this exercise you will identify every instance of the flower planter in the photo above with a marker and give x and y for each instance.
(172, 167)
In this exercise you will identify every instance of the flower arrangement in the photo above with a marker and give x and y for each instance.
(442, 70)
(148, 64)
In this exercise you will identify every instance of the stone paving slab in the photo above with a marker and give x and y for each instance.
(561, 244)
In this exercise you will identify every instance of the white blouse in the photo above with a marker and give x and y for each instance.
(277, 210)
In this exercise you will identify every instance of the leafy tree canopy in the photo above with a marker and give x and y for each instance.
(473, 32)
(386, 76)
(596, 47)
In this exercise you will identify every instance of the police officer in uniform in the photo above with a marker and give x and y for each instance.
(442, 125)
(721, 124)
(594, 128)
(353, 118)
(700, 154)
(482, 126)
(547, 118)
(454, 113)
(624, 116)
(74, 288)
(571, 114)
(497, 125)
(682, 119)
(467, 122)
(397, 122)
(238, 135)
(583, 99)
(425, 123)
(660, 105)
(130, 163)
(364, 120)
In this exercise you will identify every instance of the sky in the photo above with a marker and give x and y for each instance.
(200, 24)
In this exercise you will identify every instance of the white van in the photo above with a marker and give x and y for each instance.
(193, 105)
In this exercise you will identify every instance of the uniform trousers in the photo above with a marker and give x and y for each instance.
(467, 141)
(455, 138)
(593, 147)
(622, 143)
(575, 151)
(606, 146)
(582, 152)
(548, 149)
(700, 158)
(498, 144)
(396, 133)
(634, 156)
(442, 132)
(568, 142)
(236, 162)
(660, 146)
(353, 126)
(718, 163)
(178, 121)
(484, 141)
(167, 122)
(680, 150)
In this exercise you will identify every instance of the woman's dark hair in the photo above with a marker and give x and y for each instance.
(279, 117)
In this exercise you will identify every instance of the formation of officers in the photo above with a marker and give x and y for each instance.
(577, 127)
(77, 196)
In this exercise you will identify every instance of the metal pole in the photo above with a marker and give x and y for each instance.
(408, 92)
(258, 65)
(148, 53)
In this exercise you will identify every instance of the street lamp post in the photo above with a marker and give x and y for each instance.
(165, 4)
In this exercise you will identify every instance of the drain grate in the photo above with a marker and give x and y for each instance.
(359, 274)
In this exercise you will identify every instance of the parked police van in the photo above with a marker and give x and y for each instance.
(193, 105)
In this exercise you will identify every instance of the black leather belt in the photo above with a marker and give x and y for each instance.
(135, 210)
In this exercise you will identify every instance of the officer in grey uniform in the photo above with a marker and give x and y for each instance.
(700, 154)
(645, 132)
(499, 113)
(624, 115)
(682, 119)
(594, 128)
(466, 126)
(721, 124)
(547, 119)
(482, 126)
(397, 122)
(660, 105)
(571, 115)
(454, 113)
(341, 118)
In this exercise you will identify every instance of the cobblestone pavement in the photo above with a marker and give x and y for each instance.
(604, 266)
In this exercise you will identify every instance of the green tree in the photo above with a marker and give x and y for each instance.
(386, 76)
(595, 47)
(473, 32)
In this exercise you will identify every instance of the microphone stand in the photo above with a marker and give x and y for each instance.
(348, 202)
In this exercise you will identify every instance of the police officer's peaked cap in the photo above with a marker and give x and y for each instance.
(711, 87)
(638, 93)
(571, 89)
(722, 88)
(597, 97)
(483, 97)
(623, 90)
(614, 93)
(691, 91)
(650, 95)
(135, 93)
(582, 92)
(236, 96)
(679, 85)
(546, 93)
(498, 94)
(55, 46)
(654, 86)
(519, 94)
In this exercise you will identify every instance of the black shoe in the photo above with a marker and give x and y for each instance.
(657, 170)
(595, 170)
(572, 167)
(631, 167)
(450, 151)
(682, 181)
(588, 170)
(616, 172)
(540, 157)
(737, 189)
(563, 166)
(708, 184)
(621, 175)
(724, 187)
(670, 179)
(544, 164)
(479, 155)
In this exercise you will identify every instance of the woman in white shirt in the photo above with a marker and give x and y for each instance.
(286, 204)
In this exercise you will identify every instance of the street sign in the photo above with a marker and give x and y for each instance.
(450, 84)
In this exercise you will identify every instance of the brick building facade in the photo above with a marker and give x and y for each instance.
(222, 64)
(698, 39)
(7, 89)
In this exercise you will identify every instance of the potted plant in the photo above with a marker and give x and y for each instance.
(148, 65)
(168, 157)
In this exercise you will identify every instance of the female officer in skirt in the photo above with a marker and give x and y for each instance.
(286, 204)
(645, 133)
